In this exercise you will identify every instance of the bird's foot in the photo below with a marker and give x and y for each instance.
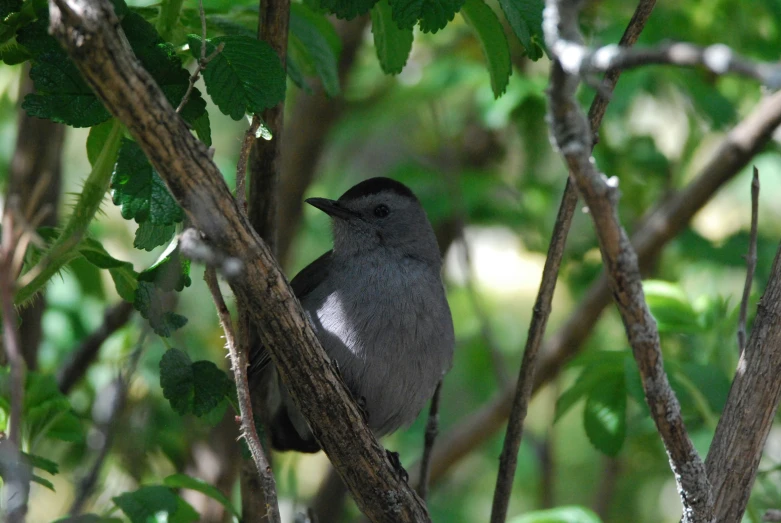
(393, 457)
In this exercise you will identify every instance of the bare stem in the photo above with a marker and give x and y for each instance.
(751, 260)
(241, 167)
(432, 429)
(239, 367)
(542, 306)
(203, 61)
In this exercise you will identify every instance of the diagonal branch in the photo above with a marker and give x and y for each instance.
(571, 133)
(751, 261)
(744, 141)
(542, 305)
(87, 29)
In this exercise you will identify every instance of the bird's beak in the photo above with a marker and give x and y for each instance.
(332, 208)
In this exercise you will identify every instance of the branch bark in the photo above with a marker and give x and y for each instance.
(572, 135)
(740, 437)
(88, 32)
(742, 143)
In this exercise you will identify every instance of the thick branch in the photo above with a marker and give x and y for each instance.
(88, 32)
(572, 135)
(749, 137)
(740, 437)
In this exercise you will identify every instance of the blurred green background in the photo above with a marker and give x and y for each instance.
(490, 182)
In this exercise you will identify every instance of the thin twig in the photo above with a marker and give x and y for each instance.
(241, 167)
(203, 61)
(772, 515)
(432, 429)
(573, 138)
(751, 260)
(581, 61)
(239, 367)
(113, 320)
(542, 306)
(105, 416)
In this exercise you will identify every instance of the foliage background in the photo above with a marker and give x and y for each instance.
(487, 164)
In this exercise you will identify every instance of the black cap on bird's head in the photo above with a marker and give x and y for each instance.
(380, 213)
(339, 208)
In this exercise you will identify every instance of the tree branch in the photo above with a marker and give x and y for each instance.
(542, 307)
(239, 367)
(753, 399)
(432, 428)
(751, 261)
(572, 135)
(88, 32)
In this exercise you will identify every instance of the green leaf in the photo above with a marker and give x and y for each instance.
(433, 15)
(87, 518)
(393, 44)
(36, 39)
(47, 412)
(150, 236)
(347, 9)
(147, 502)
(148, 301)
(670, 307)
(125, 278)
(45, 482)
(200, 124)
(211, 387)
(493, 41)
(176, 380)
(320, 41)
(183, 481)
(98, 136)
(170, 272)
(9, 6)
(604, 417)
(42, 463)
(246, 77)
(12, 53)
(61, 94)
(573, 514)
(525, 18)
(140, 191)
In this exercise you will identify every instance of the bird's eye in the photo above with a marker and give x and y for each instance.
(381, 211)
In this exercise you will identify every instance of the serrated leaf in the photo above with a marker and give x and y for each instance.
(347, 9)
(211, 387)
(9, 6)
(98, 135)
(246, 77)
(140, 191)
(36, 39)
(61, 94)
(148, 301)
(125, 278)
(432, 15)
(201, 126)
(573, 514)
(179, 481)
(147, 502)
(525, 18)
(392, 43)
(176, 380)
(170, 272)
(150, 236)
(320, 41)
(493, 41)
(604, 417)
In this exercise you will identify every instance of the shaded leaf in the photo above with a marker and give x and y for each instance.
(347, 9)
(184, 481)
(493, 41)
(604, 417)
(319, 40)
(147, 502)
(432, 15)
(211, 387)
(150, 236)
(176, 380)
(149, 303)
(171, 272)
(525, 18)
(246, 77)
(392, 43)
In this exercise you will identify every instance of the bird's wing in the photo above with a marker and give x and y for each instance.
(304, 282)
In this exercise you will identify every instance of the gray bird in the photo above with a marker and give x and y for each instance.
(377, 304)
